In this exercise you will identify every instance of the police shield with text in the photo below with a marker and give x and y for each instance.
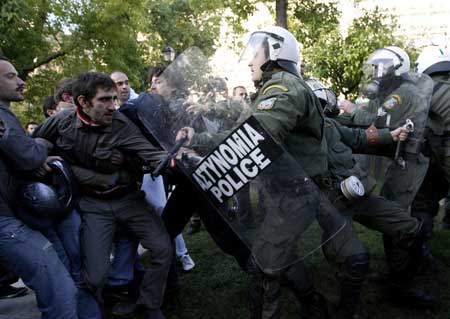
(264, 155)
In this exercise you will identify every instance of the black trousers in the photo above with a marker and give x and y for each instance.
(100, 219)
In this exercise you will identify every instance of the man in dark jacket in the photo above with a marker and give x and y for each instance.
(25, 251)
(98, 141)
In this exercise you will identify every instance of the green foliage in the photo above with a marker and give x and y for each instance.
(310, 18)
(335, 58)
(48, 40)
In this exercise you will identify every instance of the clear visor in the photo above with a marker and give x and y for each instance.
(378, 69)
(262, 43)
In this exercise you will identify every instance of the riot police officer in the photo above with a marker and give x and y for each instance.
(435, 62)
(289, 111)
(395, 95)
(373, 211)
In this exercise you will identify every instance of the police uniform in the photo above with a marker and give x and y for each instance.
(102, 209)
(436, 183)
(371, 210)
(289, 111)
(400, 185)
(401, 102)
(285, 106)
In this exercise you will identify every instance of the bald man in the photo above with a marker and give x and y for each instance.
(123, 86)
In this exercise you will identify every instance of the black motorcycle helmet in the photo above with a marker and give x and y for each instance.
(43, 203)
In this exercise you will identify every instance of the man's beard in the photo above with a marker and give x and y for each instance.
(15, 97)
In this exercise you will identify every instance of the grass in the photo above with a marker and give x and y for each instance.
(217, 288)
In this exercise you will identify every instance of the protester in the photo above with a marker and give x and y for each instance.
(27, 251)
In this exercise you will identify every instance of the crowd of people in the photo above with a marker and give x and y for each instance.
(103, 180)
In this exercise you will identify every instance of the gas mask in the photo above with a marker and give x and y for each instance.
(377, 75)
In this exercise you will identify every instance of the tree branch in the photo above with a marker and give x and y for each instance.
(23, 73)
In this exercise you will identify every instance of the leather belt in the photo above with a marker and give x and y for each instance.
(116, 192)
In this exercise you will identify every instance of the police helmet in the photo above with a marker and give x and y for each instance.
(386, 62)
(433, 59)
(280, 45)
(43, 203)
(326, 97)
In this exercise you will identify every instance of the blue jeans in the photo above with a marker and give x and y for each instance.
(65, 238)
(32, 257)
(126, 260)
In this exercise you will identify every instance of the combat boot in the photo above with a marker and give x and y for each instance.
(313, 306)
(401, 287)
(351, 278)
(264, 293)
(350, 304)
(299, 280)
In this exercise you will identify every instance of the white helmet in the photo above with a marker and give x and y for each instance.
(433, 59)
(281, 45)
(388, 60)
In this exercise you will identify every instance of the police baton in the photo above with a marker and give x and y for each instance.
(165, 162)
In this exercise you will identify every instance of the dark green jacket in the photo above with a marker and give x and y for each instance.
(439, 115)
(91, 147)
(438, 133)
(408, 100)
(290, 111)
(343, 141)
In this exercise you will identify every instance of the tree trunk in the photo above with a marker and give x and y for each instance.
(281, 12)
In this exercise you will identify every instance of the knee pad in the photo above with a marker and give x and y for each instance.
(356, 267)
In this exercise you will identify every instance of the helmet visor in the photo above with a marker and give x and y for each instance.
(378, 69)
(262, 43)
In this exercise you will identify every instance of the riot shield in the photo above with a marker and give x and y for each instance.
(253, 183)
